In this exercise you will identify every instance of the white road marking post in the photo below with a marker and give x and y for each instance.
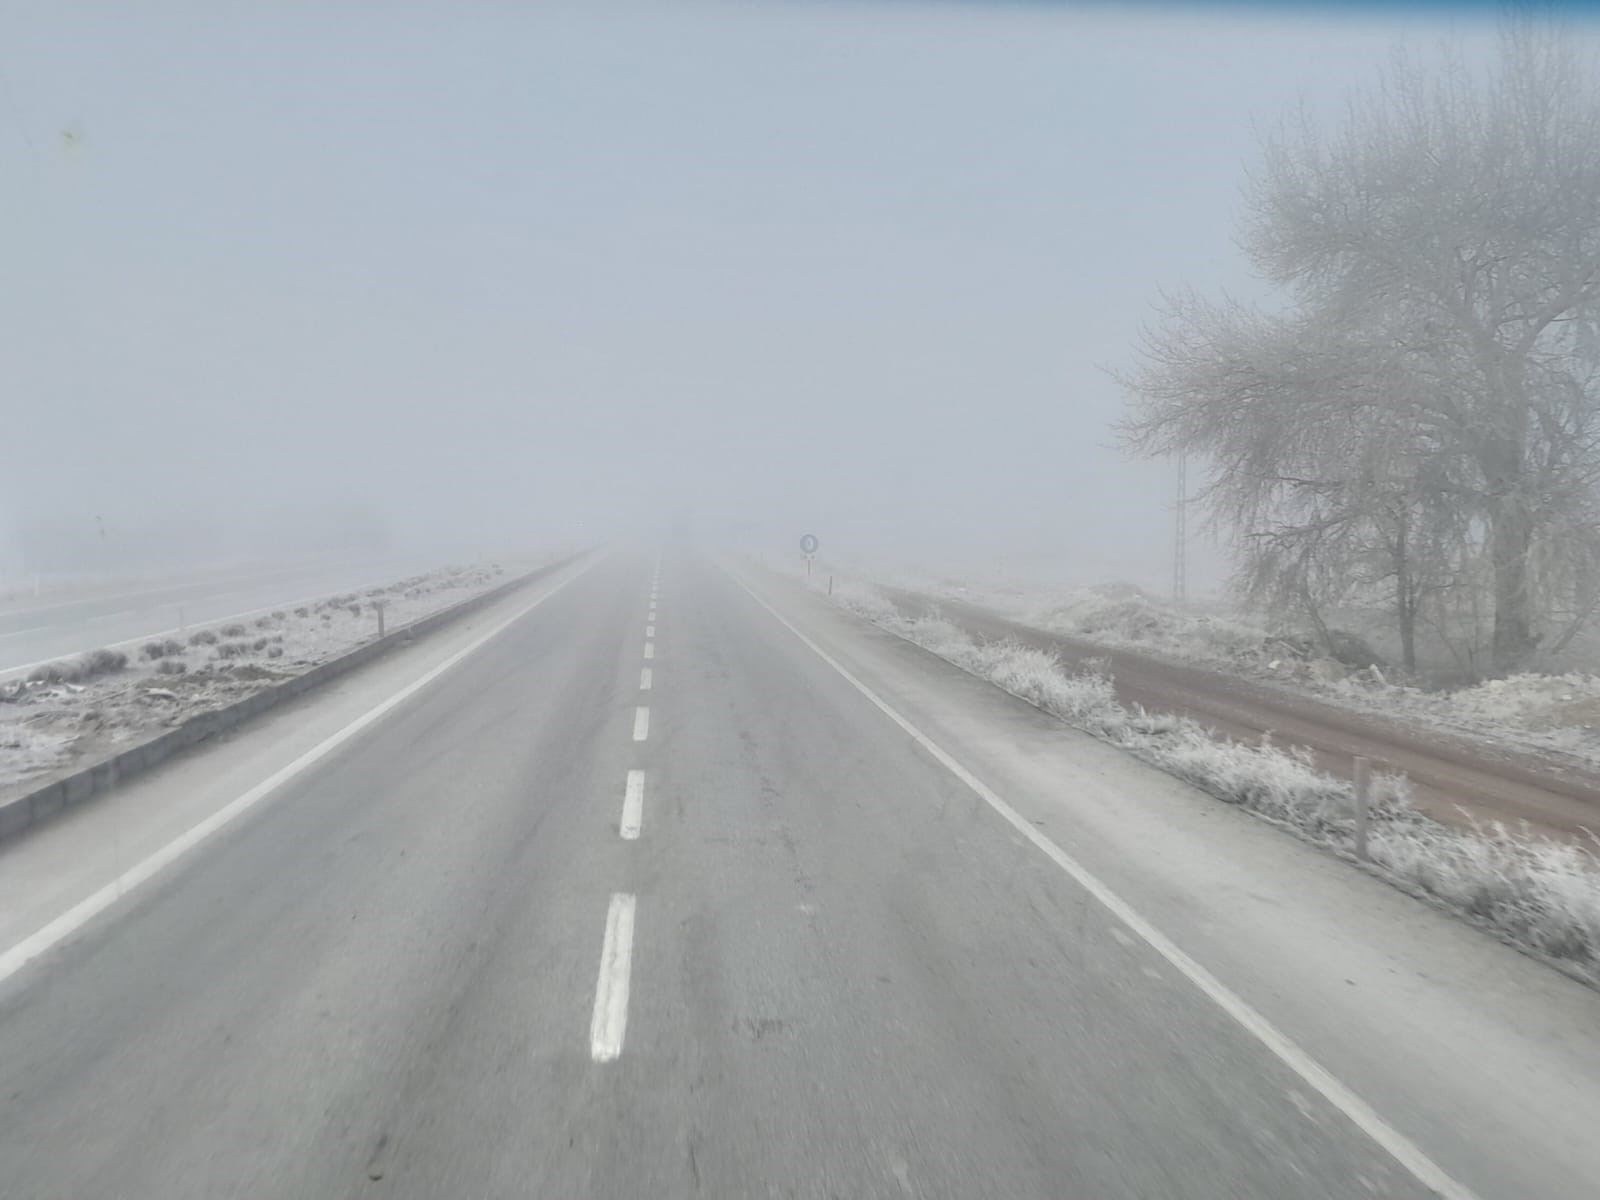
(80, 914)
(641, 723)
(632, 806)
(649, 649)
(1287, 1051)
(610, 1021)
(1363, 795)
(646, 678)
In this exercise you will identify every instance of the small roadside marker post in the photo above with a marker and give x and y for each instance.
(1363, 781)
(378, 604)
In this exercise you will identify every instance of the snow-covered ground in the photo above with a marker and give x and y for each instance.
(1551, 714)
(69, 712)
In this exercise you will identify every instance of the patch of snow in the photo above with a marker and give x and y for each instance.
(55, 718)
(1545, 714)
(26, 749)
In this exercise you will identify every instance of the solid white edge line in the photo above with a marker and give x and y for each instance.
(649, 649)
(1399, 1147)
(646, 678)
(36, 943)
(609, 1024)
(641, 723)
(632, 806)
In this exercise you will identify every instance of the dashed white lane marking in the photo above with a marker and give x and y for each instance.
(87, 909)
(1399, 1147)
(649, 649)
(610, 1021)
(633, 805)
(646, 677)
(641, 723)
(649, 631)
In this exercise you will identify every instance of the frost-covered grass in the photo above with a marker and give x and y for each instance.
(1538, 713)
(1544, 713)
(68, 711)
(1543, 896)
(81, 669)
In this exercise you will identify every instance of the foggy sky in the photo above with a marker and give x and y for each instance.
(507, 272)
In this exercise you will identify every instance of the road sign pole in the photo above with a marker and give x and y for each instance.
(808, 547)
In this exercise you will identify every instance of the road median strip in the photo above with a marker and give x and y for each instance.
(41, 802)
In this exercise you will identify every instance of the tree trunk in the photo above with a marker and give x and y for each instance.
(1317, 622)
(1407, 613)
(1510, 516)
(1405, 600)
(1510, 537)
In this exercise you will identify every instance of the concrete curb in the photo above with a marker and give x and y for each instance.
(29, 809)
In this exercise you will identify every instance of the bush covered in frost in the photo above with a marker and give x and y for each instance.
(81, 669)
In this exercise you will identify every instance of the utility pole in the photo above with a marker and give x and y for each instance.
(1180, 534)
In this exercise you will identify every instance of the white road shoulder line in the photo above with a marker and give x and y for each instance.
(85, 910)
(1399, 1147)
(646, 678)
(610, 1021)
(641, 723)
(632, 806)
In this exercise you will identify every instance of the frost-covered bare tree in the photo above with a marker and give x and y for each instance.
(1323, 469)
(1429, 393)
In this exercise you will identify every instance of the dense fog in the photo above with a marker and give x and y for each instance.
(304, 279)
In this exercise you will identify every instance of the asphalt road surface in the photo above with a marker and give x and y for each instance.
(640, 895)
